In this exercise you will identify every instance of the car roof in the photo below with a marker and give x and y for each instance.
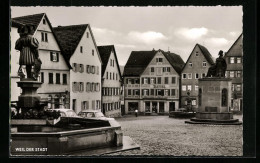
(63, 110)
(90, 111)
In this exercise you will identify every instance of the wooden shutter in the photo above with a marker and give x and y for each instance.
(93, 104)
(51, 56)
(57, 57)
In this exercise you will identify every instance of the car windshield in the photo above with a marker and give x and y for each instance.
(86, 114)
(99, 114)
(71, 114)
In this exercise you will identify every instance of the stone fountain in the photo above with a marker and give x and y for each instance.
(33, 134)
(215, 97)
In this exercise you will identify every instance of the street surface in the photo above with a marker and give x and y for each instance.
(161, 135)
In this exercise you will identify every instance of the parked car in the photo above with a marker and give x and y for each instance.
(66, 112)
(93, 114)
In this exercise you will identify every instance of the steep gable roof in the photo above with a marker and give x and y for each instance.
(175, 60)
(139, 60)
(227, 53)
(29, 19)
(105, 52)
(35, 20)
(69, 38)
(205, 53)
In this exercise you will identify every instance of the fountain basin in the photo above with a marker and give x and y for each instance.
(68, 136)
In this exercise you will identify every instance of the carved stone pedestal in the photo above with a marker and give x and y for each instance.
(29, 97)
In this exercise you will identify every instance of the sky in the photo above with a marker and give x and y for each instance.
(172, 28)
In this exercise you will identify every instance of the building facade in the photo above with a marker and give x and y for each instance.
(234, 60)
(111, 82)
(79, 48)
(196, 67)
(151, 82)
(54, 73)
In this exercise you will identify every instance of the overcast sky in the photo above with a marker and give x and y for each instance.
(145, 28)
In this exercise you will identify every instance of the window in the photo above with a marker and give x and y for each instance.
(74, 104)
(110, 76)
(107, 75)
(64, 78)
(87, 35)
(116, 76)
(184, 76)
(42, 77)
(189, 76)
(152, 69)
(54, 56)
(145, 92)
(196, 87)
(173, 92)
(92, 87)
(189, 87)
(199, 97)
(166, 92)
(93, 104)
(43, 21)
(159, 60)
(57, 78)
(84, 105)
(145, 80)
(129, 92)
(44, 37)
(166, 69)
(203, 75)
(239, 74)
(93, 52)
(81, 87)
(183, 87)
(152, 80)
(111, 62)
(231, 74)
(238, 87)
(196, 75)
(74, 86)
(159, 70)
(173, 80)
(197, 54)
(81, 68)
(204, 64)
(50, 78)
(160, 92)
(166, 80)
(81, 49)
(190, 64)
(93, 69)
(113, 76)
(232, 59)
(159, 80)
(238, 59)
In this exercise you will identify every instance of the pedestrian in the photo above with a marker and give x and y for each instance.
(136, 112)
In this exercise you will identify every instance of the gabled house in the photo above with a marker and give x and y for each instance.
(234, 60)
(111, 81)
(151, 82)
(54, 73)
(79, 49)
(196, 67)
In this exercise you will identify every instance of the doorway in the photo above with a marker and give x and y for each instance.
(172, 106)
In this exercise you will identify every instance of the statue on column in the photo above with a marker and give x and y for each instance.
(29, 56)
(219, 68)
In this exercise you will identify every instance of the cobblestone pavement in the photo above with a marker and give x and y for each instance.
(161, 135)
